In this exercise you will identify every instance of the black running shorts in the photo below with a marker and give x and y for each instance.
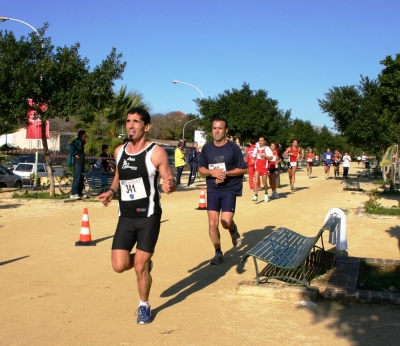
(142, 232)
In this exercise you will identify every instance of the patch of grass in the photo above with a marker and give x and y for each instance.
(372, 206)
(378, 278)
(38, 195)
(379, 182)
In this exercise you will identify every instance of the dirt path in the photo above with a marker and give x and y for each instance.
(54, 293)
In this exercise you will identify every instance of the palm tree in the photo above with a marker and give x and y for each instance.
(108, 124)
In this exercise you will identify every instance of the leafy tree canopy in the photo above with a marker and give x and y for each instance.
(250, 113)
(57, 80)
(304, 132)
(57, 77)
(368, 114)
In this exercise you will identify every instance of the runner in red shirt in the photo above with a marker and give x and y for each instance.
(273, 170)
(293, 152)
(261, 154)
(336, 162)
(251, 164)
(310, 157)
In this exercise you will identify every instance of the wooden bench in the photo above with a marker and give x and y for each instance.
(285, 249)
(98, 182)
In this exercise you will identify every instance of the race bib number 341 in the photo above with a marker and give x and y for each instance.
(220, 165)
(132, 190)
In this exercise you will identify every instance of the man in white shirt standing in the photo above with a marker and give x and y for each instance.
(346, 164)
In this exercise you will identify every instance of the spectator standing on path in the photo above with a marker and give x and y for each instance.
(261, 155)
(183, 141)
(139, 166)
(310, 157)
(346, 164)
(363, 159)
(76, 158)
(293, 152)
(221, 161)
(327, 158)
(251, 164)
(105, 163)
(194, 156)
(179, 163)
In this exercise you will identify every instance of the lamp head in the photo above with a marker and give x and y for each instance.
(3, 19)
(175, 81)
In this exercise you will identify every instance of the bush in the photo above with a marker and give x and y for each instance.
(372, 206)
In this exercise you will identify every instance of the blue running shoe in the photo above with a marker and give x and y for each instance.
(143, 314)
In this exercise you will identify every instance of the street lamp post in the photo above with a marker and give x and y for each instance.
(183, 137)
(3, 19)
(202, 96)
(177, 81)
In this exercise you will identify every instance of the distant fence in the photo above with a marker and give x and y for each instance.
(41, 151)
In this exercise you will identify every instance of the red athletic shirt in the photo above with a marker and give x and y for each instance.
(249, 155)
(295, 152)
(310, 156)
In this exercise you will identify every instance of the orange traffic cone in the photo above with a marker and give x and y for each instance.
(202, 202)
(85, 238)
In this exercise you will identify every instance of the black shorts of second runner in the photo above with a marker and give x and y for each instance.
(221, 201)
(272, 170)
(142, 232)
(335, 163)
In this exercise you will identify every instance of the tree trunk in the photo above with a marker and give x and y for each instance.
(48, 161)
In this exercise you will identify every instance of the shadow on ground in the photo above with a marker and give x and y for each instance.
(394, 232)
(205, 274)
(13, 260)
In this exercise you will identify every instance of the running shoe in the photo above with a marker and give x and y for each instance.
(275, 194)
(236, 240)
(143, 314)
(74, 196)
(255, 199)
(218, 258)
(266, 198)
(292, 187)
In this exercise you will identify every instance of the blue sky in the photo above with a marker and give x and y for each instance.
(296, 50)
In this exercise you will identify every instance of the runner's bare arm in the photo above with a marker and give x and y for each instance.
(235, 172)
(161, 162)
(269, 155)
(287, 152)
(106, 197)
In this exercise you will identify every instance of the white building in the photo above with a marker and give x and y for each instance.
(58, 141)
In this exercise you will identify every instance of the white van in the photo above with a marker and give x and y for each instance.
(25, 170)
